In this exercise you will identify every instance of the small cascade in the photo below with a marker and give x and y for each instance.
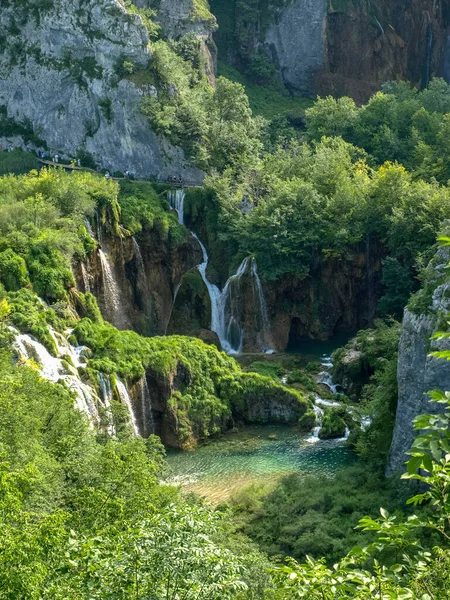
(126, 401)
(176, 201)
(111, 290)
(53, 369)
(147, 413)
(319, 412)
(88, 226)
(325, 376)
(265, 337)
(84, 274)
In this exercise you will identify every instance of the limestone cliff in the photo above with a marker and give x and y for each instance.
(65, 73)
(418, 372)
(337, 46)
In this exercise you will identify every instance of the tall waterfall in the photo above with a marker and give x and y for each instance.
(264, 336)
(111, 293)
(84, 274)
(176, 201)
(226, 304)
(142, 283)
(147, 413)
(126, 401)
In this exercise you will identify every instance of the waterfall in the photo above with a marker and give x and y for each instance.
(319, 418)
(325, 376)
(429, 55)
(88, 226)
(53, 369)
(218, 302)
(225, 306)
(105, 386)
(87, 287)
(176, 201)
(142, 283)
(147, 413)
(126, 401)
(265, 342)
(111, 291)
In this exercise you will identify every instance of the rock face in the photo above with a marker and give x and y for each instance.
(135, 279)
(296, 42)
(419, 373)
(65, 83)
(338, 46)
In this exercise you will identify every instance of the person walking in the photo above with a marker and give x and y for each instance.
(107, 175)
(56, 158)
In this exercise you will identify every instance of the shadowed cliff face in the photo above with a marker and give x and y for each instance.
(338, 47)
(372, 42)
(138, 291)
(337, 296)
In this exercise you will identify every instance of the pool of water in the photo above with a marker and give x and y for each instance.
(263, 453)
(317, 348)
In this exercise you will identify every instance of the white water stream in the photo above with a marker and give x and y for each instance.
(53, 369)
(126, 401)
(225, 304)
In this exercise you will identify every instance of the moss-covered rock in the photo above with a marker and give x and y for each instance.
(333, 425)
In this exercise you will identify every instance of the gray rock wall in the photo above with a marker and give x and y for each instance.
(67, 71)
(418, 373)
(296, 42)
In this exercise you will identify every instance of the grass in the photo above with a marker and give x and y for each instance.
(17, 162)
(265, 101)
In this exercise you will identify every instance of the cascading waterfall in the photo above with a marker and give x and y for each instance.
(225, 304)
(126, 401)
(176, 201)
(265, 337)
(147, 413)
(53, 369)
(111, 291)
(84, 274)
(325, 376)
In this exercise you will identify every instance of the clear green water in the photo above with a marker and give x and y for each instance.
(222, 467)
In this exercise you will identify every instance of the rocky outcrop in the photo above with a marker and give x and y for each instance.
(418, 372)
(61, 73)
(139, 291)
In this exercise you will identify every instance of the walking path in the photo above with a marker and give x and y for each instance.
(72, 167)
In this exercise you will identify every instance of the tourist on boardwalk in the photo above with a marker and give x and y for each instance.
(79, 162)
(107, 175)
(56, 159)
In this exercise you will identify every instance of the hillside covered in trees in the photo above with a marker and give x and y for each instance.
(224, 300)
